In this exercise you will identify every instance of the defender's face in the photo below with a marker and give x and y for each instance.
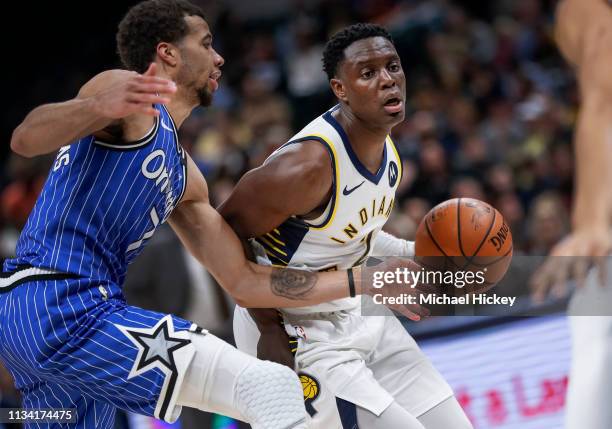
(200, 67)
(373, 81)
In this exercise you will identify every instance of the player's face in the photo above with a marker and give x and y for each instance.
(200, 67)
(373, 81)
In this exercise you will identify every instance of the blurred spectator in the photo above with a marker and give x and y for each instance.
(416, 209)
(306, 81)
(500, 179)
(467, 187)
(434, 175)
(401, 225)
(18, 197)
(548, 222)
(261, 105)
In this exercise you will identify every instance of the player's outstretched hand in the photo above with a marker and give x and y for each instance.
(135, 93)
(570, 259)
(397, 287)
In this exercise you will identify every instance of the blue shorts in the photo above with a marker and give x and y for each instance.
(70, 342)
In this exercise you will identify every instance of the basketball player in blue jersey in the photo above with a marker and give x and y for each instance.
(66, 333)
(583, 29)
(320, 201)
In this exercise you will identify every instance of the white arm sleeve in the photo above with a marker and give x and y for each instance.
(387, 245)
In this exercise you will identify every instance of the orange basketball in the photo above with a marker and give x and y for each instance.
(465, 234)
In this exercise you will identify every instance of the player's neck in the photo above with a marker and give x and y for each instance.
(181, 104)
(179, 110)
(367, 142)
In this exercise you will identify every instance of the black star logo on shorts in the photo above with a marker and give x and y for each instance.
(158, 345)
(156, 349)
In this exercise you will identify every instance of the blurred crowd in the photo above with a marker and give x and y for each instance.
(490, 106)
(490, 109)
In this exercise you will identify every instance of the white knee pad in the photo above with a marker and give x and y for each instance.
(224, 380)
(270, 396)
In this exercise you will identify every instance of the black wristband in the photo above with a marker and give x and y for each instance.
(351, 281)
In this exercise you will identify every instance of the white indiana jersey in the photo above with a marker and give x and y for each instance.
(343, 236)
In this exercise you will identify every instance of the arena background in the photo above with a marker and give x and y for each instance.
(490, 112)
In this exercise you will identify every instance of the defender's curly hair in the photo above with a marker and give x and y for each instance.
(334, 48)
(149, 23)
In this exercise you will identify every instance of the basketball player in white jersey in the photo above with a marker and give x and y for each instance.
(584, 35)
(320, 201)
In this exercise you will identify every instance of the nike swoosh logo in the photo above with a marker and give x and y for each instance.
(346, 191)
(163, 124)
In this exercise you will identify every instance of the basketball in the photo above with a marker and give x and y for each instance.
(465, 234)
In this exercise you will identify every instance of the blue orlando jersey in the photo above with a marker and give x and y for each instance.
(101, 202)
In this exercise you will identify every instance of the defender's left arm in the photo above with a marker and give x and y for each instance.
(211, 240)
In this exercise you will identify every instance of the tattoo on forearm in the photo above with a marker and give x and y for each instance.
(291, 283)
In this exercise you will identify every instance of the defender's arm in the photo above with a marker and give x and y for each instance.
(210, 239)
(103, 101)
(590, 238)
(593, 139)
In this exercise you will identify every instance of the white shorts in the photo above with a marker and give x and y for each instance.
(354, 360)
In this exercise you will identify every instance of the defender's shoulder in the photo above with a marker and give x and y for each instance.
(103, 80)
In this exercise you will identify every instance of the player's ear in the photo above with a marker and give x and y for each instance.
(168, 53)
(338, 87)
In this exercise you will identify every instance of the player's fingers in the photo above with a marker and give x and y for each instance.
(154, 80)
(602, 270)
(144, 98)
(559, 289)
(146, 109)
(405, 311)
(135, 107)
(426, 288)
(142, 78)
(541, 281)
(409, 314)
(151, 70)
(155, 87)
(561, 276)
(579, 270)
(416, 312)
(424, 311)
